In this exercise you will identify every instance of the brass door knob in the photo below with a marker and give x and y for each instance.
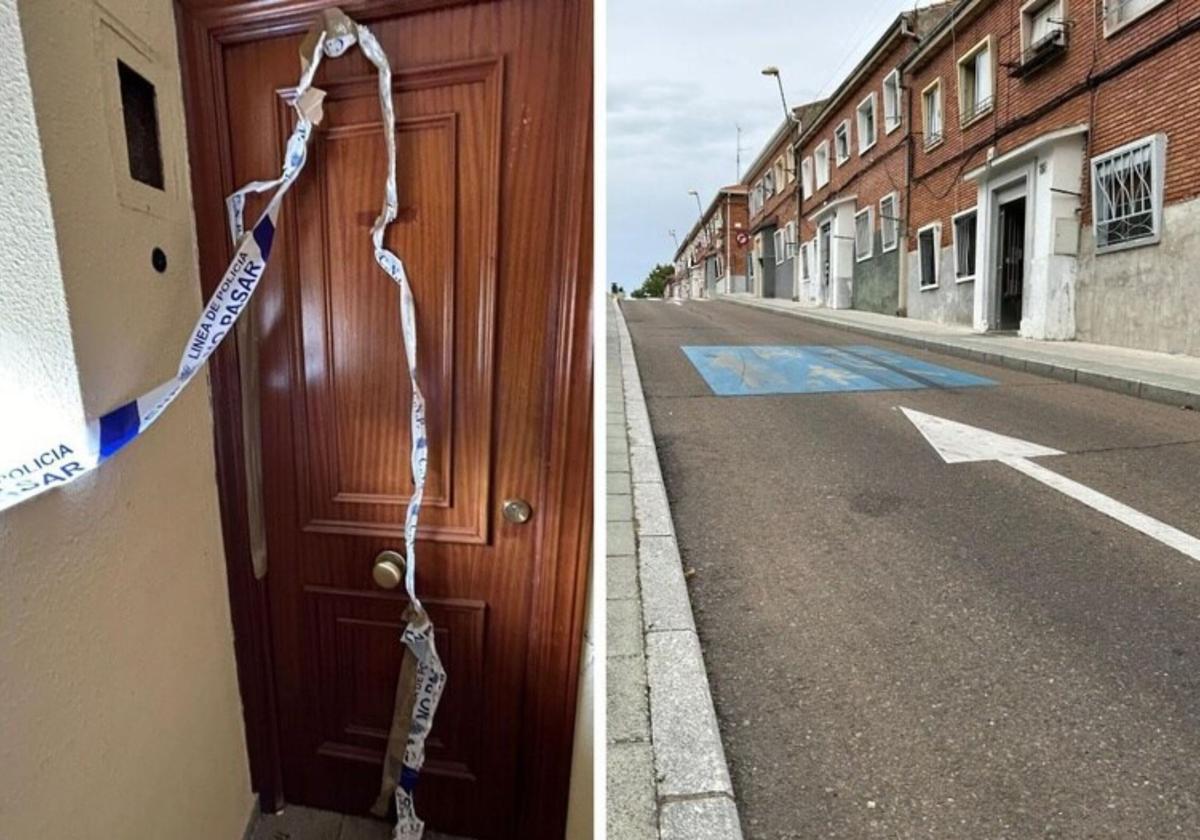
(517, 511)
(388, 571)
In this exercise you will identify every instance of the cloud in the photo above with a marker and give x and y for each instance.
(682, 75)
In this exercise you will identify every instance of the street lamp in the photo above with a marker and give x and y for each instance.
(671, 233)
(699, 208)
(772, 70)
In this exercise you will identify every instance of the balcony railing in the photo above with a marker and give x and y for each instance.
(1042, 51)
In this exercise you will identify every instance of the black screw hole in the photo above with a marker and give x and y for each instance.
(158, 259)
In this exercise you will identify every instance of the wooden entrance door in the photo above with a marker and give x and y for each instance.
(492, 105)
(1011, 268)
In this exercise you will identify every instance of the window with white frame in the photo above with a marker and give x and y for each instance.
(1117, 13)
(1127, 194)
(866, 122)
(975, 82)
(821, 163)
(841, 142)
(780, 246)
(889, 222)
(789, 239)
(965, 228)
(780, 173)
(864, 234)
(805, 256)
(928, 254)
(1042, 28)
(789, 161)
(931, 113)
(891, 102)
(806, 176)
(768, 184)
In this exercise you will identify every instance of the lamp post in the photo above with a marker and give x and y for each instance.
(772, 70)
(699, 225)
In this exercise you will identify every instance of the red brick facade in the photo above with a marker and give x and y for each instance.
(1119, 105)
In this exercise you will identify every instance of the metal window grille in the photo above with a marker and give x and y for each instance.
(927, 250)
(862, 234)
(888, 223)
(866, 123)
(1120, 11)
(891, 101)
(964, 245)
(933, 116)
(1125, 196)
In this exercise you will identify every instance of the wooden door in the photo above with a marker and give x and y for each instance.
(492, 133)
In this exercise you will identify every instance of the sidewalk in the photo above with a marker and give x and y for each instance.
(667, 777)
(1160, 377)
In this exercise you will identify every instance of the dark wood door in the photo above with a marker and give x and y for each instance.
(486, 96)
(1012, 262)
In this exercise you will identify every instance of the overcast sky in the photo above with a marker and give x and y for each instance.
(682, 75)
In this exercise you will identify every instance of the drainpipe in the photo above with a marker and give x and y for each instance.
(902, 274)
(728, 250)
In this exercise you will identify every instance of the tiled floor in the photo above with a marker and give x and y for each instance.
(296, 822)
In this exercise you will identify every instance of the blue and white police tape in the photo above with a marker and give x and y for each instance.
(66, 458)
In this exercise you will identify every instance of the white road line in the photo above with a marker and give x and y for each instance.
(958, 443)
(1123, 513)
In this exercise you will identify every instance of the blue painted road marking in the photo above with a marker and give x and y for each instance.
(816, 369)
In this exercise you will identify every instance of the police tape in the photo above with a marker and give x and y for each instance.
(67, 458)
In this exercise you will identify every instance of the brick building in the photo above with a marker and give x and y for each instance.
(1055, 170)
(711, 259)
(771, 182)
(853, 159)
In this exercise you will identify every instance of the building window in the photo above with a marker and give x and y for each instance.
(780, 246)
(841, 142)
(789, 235)
(768, 183)
(1042, 29)
(805, 270)
(1127, 189)
(780, 174)
(964, 245)
(821, 162)
(1117, 13)
(975, 82)
(789, 160)
(806, 176)
(927, 254)
(866, 123)
(931, 113)
(891, 102)
(889, 222)
(864, 234)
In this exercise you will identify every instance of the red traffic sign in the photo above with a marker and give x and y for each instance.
(742, 237)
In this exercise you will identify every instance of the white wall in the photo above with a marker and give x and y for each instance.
(119, 705)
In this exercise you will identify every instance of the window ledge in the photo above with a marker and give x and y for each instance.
(863, 258)
(929, 288)
(929, 147)
(894, 126)
(970, 278)
(976, 117)
(862, 150)
(1125, 246)
(843, 161)
(1109, 31)
(886, 250)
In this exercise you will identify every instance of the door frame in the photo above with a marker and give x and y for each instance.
(1015, 183)
(205, 28)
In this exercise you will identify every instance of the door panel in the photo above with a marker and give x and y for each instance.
(482, 106)
(1012, 262)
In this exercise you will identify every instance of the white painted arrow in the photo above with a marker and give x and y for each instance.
(957, 443)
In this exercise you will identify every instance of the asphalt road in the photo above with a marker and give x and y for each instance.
(900, 647)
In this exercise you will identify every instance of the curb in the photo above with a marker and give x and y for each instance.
(695, 794)
(1082, 375)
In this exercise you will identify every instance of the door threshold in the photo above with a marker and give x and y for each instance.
(297, 822)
